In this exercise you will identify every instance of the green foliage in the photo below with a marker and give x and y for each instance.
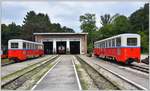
(107, 19)
(12, 31)
(121, 25)
(140, 19)
(90, 48)
(144, 43)
(88, 24)
(32, 23)
(138, 22)
(106, 31)
(40, 23)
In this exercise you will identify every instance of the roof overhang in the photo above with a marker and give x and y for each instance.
(60, 33)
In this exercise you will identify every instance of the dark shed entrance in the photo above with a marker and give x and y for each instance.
(74, 47)
(61, 47)
(48, 47)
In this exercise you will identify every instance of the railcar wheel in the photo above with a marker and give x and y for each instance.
(129, 61)
(16, 60)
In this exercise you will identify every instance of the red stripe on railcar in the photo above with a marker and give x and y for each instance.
(120, 54)
(24, 54)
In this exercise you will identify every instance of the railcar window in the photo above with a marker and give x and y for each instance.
(33, 46)
(28, 46)
(131, 41)
(38, 46)
(113, 42)
(109, 43)
(96, 45)
(14, 45)
(99, 45)
(118, 41)
(103, 44)
(106, 44)
(24, 45)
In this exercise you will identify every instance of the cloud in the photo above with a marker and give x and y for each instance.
(66, 13)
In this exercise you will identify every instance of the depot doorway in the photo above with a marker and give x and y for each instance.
(48, 47)
(74, 47)
(61, 47)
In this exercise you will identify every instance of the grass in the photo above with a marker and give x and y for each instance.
(6, 61)
(83, 82)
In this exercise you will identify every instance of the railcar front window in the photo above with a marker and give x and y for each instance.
(14, 45)
(118, 41)
(132, 41)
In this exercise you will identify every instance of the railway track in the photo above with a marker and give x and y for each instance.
(132, 66)
(17, 79)
(139, 68)
(118, 80)
(12, 62)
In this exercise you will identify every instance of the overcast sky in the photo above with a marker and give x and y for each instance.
(65, 12)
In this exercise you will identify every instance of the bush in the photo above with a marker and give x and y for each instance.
(90, 48)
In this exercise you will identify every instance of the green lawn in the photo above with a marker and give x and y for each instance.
(5, 61)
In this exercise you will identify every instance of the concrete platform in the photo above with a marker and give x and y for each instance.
(61, 77)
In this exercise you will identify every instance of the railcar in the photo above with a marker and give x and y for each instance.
(20, 50)
(123, 48)
(61, 49)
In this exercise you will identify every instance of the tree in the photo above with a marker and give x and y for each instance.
(88, 24)
(139, 21)
(105, 31)
(66, 29)
(35, 23)
(11, 31)
(121, 25)
(40, 23)
(32, 23)
(107, 19)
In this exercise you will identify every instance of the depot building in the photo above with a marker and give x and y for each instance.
(63, 43)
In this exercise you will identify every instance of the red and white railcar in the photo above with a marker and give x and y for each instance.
(123, 48)
(20, 50)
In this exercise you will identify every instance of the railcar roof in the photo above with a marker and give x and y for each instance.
(21, 40)
(120, 35)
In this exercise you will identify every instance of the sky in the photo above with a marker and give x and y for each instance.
(66, 13)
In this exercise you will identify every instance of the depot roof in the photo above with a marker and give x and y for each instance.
(60, 33)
